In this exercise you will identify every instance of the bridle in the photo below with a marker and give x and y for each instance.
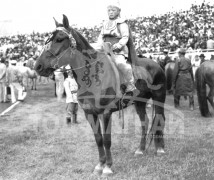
(61, 54)
(57, 57)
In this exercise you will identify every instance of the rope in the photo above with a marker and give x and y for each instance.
(121, 109)
(65, 70)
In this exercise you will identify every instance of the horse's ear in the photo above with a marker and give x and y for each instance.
(65, 22)
(57, 24)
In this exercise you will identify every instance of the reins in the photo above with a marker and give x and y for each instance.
(56, 66)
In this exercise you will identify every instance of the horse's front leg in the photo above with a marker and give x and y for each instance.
(27, 81)
(95, 125)
(31, 84)
(35, 83)
(141, 111)
(106, 119)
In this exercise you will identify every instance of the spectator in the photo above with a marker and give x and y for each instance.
(210, 42)
(183, 79)
(2, 80)
(163, 62)
(71, 88)
(14, 80)
(202, 58)
(59, 80)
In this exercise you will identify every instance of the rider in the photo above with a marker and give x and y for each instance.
(116, 31)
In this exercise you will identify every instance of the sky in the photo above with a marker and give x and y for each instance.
(24, 16)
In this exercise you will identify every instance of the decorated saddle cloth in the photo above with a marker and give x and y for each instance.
(101, 75)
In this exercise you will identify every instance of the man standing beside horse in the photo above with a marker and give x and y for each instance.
(14, 79)
(163, 62)
(183, 79)
(2, 80)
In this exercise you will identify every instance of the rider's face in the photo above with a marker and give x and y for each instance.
(113, 12)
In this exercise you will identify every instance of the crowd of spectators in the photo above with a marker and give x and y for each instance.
(189, 29)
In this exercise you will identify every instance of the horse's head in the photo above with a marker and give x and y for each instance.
(56, 49)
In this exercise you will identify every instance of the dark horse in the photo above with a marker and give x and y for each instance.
(169, 68)
(99, 88)
(204, 77)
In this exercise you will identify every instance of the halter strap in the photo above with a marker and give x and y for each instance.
(64, 30)
(56, 66)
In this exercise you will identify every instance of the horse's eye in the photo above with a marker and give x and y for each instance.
(59, 40)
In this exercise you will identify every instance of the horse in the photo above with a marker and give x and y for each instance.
(205, 77)
(99, 92)
(31, 73)
(169, 68)
(26, 72)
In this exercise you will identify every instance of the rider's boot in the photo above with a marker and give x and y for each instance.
(131, 89)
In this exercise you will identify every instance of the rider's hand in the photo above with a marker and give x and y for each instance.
(117, 47)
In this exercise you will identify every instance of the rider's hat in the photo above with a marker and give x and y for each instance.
(114, 3)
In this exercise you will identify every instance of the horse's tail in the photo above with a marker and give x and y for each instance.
(169, 75)
(201, 92)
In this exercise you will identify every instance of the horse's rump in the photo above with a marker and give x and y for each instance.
(149, 71)
(205, 76)
(169, 68)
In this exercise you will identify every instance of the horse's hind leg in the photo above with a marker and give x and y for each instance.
(95, 124)
(34, 84)
(176, 101)
(141, 111)
(210, 96)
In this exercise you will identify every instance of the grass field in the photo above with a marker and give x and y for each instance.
(36, 143)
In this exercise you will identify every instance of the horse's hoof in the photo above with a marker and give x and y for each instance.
(107, 172)
(138, 152)
(98, 170)
(160, 152)
(191, 108)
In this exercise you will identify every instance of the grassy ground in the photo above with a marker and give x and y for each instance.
(36, 144)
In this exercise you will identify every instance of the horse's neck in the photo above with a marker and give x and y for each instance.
(93, 75)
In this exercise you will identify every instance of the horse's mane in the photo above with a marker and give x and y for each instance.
(83, 45)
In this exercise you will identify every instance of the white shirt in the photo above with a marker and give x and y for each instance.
(70, 85)
(2, 72)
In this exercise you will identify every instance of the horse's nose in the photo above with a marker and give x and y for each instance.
(39, 68)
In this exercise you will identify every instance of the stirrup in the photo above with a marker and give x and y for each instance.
(133, 93)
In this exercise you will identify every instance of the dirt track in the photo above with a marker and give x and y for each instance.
(36, 143)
